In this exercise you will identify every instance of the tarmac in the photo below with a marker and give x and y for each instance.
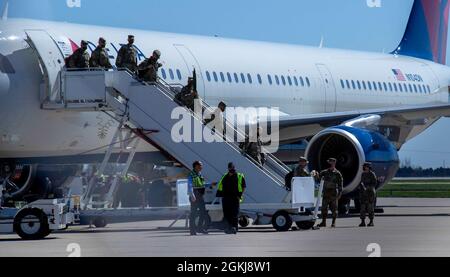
(408, 228)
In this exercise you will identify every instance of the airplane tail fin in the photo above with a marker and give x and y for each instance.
(427, 30)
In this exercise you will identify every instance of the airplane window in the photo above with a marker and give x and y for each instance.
(236, 78)
(420, 89)
(163, 73)
(269, 78)
(243, 78)
(405, 87)
(400, 87)
(364, 85)
(179, 74)
(208, 76)
(424, 89)
(429, 89)
(390, 87)
(171, 74)
(410, 88)
(249, 77)
(283, 80)
(215, 76)
(385, 86)
(353, 84)
(277, 80)
(289, 80)
(395, 87)
(370, 85)
(415, 88)
(295, 81)
(342, 84)
(348, 84)
(380, 87)
(222, 77)
(302, 82)
(359, 85)
(229, 77)
(307, 81)
(259, 79)
(375, 86)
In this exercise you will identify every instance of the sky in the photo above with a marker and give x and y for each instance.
(348, 24)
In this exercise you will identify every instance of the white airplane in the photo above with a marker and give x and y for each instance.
(355, 106)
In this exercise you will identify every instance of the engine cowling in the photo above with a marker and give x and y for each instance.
(352, 147)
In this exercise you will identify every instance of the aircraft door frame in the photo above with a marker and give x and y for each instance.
(51, 59)
(191, 62)
(330, 88)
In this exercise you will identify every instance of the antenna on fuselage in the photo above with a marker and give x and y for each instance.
(5, 11)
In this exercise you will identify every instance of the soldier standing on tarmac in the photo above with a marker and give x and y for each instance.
(332, 191)
(367, 194)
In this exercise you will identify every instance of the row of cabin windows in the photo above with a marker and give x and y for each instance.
(383, 86)
(171, 74)
(247, 78)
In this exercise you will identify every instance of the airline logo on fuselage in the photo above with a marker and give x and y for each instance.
(407, 77)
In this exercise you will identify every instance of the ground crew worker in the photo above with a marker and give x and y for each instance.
(253, 147)
(231, 188)
(127, 56)
(196, 191)
(367, 194)
(80, 58)
(148, 69)
(100, 57)
(332, 191)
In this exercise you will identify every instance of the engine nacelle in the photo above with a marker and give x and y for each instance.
(352, 147)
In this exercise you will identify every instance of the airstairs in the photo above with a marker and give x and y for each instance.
(146, 108)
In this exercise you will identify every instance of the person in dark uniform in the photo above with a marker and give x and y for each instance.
(80, 58)
(196, 191)
(367, 194)
(100, 57)
(231, 188)
(148, 69)
(127, 56)
(332, 191)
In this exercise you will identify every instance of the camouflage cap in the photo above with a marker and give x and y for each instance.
(331, 160)
(157, 53)
(130, 36)
(302, 159)
(101, 39)
(83, 42)
(367, 164)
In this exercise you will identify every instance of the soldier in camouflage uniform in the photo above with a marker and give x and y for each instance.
(127, 56)
(100, 57)
(332, 191)
(80, 58)
(300, 169)
(367, 194)
(148, 69)
(253, 147)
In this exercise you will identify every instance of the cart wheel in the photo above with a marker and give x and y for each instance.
(282, 221)
(100, 222)
(31, 224)
(305, 225)
(244, 221)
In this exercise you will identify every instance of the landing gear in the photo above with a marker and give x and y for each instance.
(305, 225)
(244, 221)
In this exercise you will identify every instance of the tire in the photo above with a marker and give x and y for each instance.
(244, 221)
(100, 222)
(305, 225)
(282, 221)
(31, 224)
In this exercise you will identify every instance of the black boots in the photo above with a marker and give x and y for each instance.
(363, 223)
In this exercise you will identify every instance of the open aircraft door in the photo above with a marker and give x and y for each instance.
(52, 61)
(192, 63)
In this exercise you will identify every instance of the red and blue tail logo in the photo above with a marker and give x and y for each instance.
(427, 30)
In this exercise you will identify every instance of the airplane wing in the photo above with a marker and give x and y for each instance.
(398, 124)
